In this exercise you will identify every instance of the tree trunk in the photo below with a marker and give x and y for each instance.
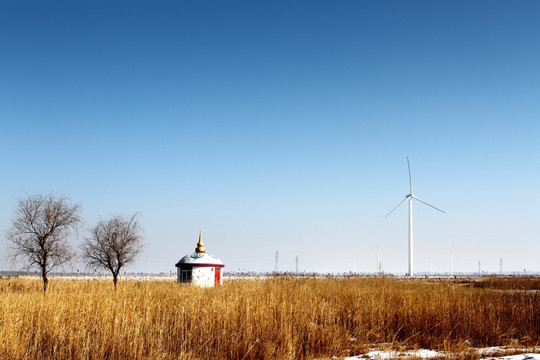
(115, 280)
(45, 280)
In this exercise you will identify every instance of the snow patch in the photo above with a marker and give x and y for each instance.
(387, 355)
(515, 357)
(432, 354)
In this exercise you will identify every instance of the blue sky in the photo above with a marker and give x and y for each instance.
(279, 126)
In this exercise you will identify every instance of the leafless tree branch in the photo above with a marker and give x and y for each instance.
(114, 243)
(41, 227)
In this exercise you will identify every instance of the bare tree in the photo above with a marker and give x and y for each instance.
(114, 243)
(39, 233)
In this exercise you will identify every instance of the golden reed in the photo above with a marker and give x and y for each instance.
(276, 318)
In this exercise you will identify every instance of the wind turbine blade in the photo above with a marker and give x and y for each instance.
(407, 198)
(410, 177)
(422, 201)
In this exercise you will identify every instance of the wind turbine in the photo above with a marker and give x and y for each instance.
(410, 198)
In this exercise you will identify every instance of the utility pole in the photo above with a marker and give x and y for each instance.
(378, 261)
(452, 261)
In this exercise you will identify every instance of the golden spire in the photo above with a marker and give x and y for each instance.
(200, 245)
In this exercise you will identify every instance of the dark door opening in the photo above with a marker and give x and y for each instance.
(186, 275)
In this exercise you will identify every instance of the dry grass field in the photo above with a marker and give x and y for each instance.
(276, 318)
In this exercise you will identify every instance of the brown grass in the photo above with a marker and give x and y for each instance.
(277, 318)
(504, 283)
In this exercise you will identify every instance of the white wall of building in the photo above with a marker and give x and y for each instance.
(203, 276)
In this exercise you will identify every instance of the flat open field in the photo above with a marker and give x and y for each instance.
(275, 318)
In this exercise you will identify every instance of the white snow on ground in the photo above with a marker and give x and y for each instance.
(497, 353)
(516, 357)
(387, 355)
(432, 354)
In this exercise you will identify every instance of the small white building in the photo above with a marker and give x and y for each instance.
(200, 268)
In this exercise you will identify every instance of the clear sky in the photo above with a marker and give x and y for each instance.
(281, 126)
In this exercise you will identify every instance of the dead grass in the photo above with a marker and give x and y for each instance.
(277, 318)
(505, 283)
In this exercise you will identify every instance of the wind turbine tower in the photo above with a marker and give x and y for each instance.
(410, 197)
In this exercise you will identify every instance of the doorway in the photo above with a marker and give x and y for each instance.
(217, 277)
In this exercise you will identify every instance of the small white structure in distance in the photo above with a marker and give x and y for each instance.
(200, 268)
